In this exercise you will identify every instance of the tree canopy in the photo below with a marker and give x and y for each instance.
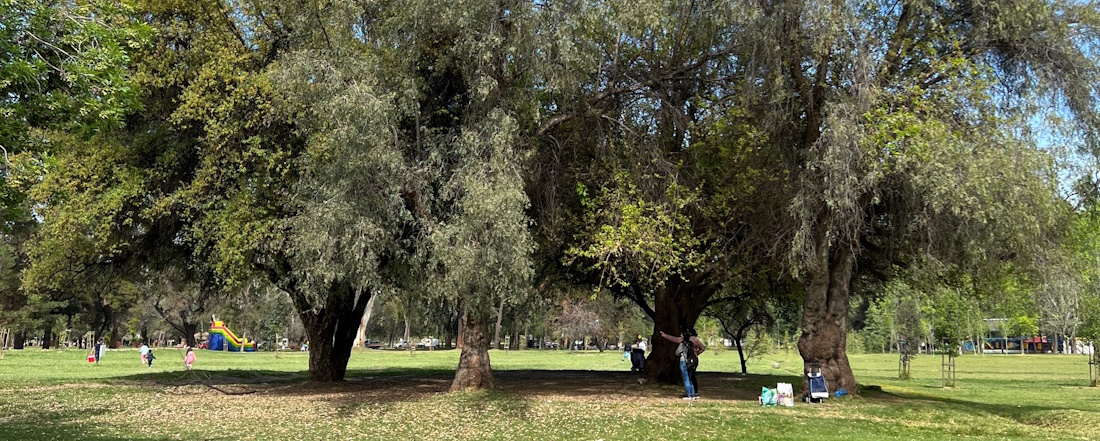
(724, 156)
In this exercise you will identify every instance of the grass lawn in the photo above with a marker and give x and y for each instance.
(541, 395)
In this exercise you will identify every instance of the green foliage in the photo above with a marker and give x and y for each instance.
(855, 343)
(1090, 326)
(878, 331)
(349, 208)
(1082, 269)
(1022, 325)
(630, 240)
(485, 246)
(906, 305)
(64, 71)
(658, 148)
(954, 317)
(65, 66)
(758, 343)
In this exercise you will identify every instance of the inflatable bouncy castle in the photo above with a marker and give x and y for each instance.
(221, 338)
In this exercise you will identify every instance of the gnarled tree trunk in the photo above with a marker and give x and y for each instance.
(474, 371)
(320, 333)
(677, 306)
(187, 325)
(347, 323)
(331, 330)
(825, 315)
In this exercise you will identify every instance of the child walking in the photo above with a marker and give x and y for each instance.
(144, 353)
(189, 358)
(149, 358)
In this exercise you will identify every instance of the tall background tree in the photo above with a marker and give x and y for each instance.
(899, 126)
(64, 80)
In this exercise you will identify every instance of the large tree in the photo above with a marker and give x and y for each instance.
(903, 126)
(412, 129)
(64, 80)
(632, 191)
(839, 137)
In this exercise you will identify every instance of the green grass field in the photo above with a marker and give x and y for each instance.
(541, 395)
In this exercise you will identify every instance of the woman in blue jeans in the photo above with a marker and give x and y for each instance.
(681, 351)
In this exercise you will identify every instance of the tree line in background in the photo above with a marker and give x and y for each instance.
(819, 164)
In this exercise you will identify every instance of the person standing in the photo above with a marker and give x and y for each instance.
(637, 355)
(144, 352)
(99, 349)
(689, 346)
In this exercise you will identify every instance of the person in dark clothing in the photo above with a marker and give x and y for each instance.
(637, 355)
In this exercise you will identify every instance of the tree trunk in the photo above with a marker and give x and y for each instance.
(347, 324)
(331, 331)
(677, 306)
(361, 334)
(461, 332)
(452, 328)
(393, 331)
(408, 323)
(500, 317)
(825, 315)
(526, 334)
(320, 349)
(408, 328)
(47, 337)
(114, 335)
(740, 349)
(189, 330)
(19, 340)
(474, 371)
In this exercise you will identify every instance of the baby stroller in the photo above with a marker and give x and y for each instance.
(818, 390)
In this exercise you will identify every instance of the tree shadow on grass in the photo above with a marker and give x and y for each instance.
(215, 377)
(382, 386)
(718, 386)
(54, 425)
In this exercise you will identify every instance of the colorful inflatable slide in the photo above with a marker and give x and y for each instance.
(220, 336)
